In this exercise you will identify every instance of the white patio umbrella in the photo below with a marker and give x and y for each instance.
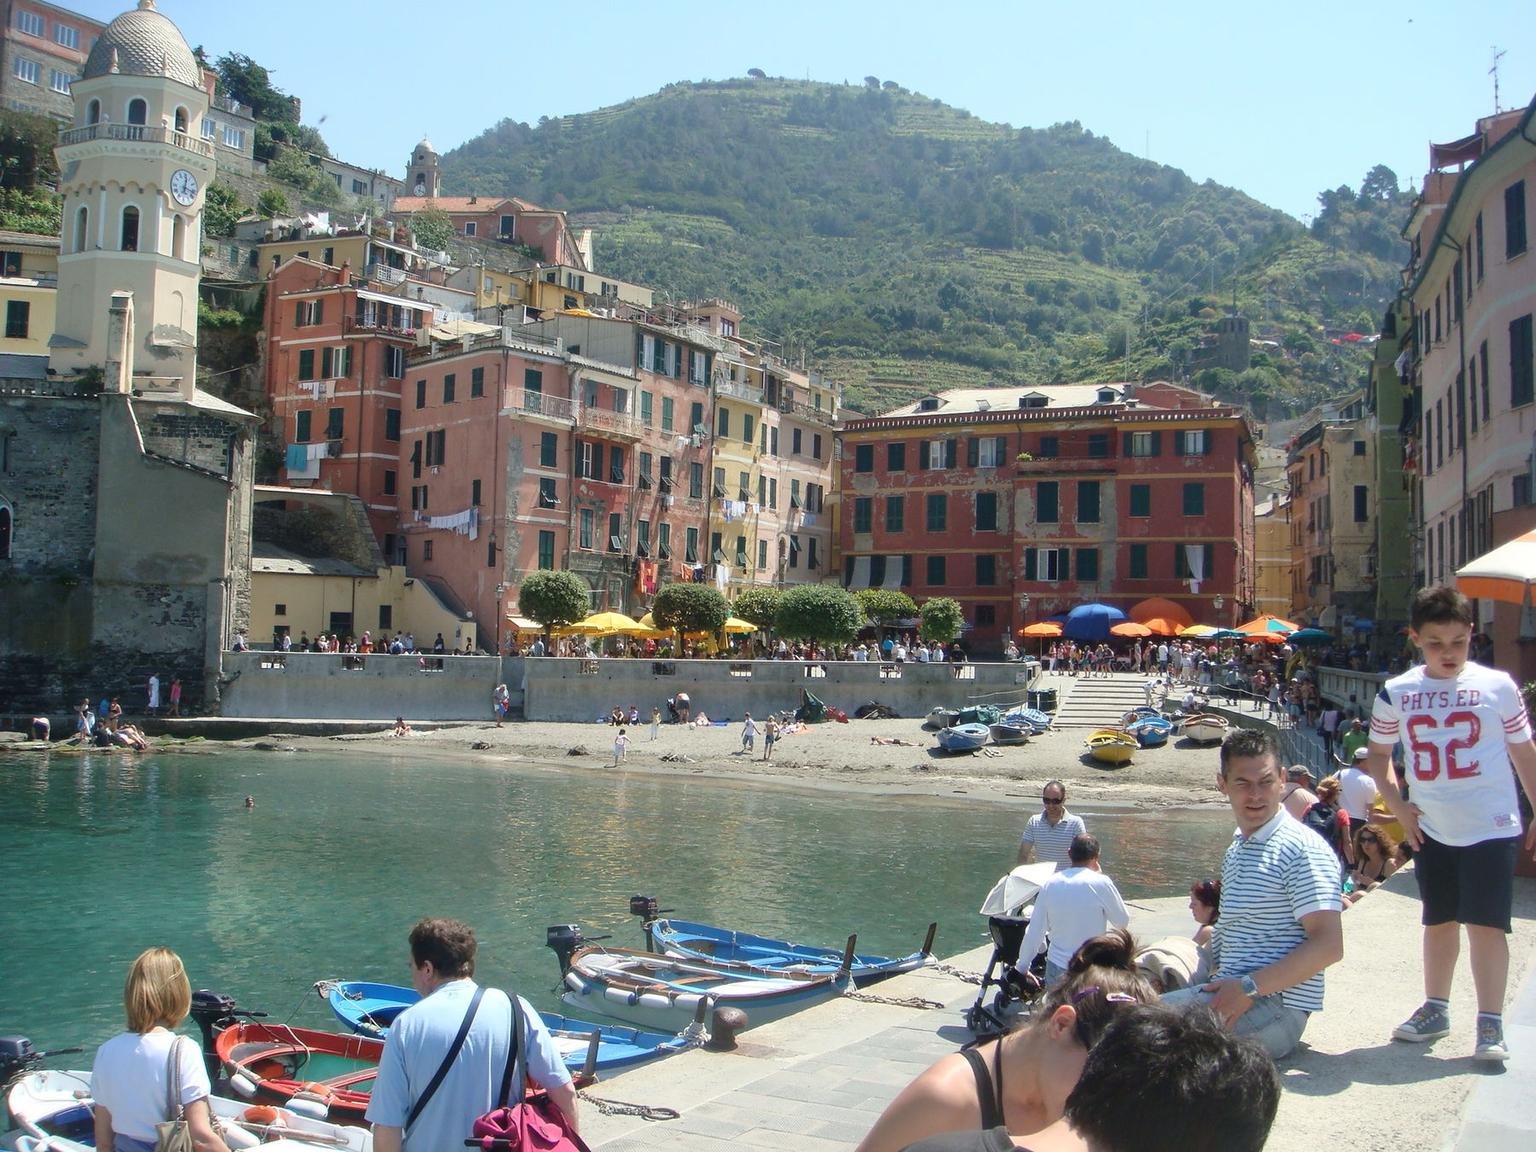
(1506, 573)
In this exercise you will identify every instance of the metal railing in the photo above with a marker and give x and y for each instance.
(527, 403)
(602, 420)
(752, 394)
(136, 133)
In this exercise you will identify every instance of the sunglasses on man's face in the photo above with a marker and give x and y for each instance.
(1053, 800)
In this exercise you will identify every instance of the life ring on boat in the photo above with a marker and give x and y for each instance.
(265, 1114)
(316, 1089)
(313, 1099)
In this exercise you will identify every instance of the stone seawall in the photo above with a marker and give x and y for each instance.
(297, 685)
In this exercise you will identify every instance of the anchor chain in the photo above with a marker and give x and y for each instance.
(898, 1001)
(620, 1108)
(950, 970)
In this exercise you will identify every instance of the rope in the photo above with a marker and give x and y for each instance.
(620, 1108)
(898, 1001)
(950, 970)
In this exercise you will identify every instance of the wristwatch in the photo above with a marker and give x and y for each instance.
(1250, 987)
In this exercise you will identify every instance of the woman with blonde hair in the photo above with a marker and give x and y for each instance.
(131, 1078)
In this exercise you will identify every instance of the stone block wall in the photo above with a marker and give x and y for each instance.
(202, 441)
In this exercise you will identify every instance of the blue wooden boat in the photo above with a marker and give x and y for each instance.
(1037, 720)
(1151, 731)
(964, 737)
(369, 1009)
(667, 993)
(707, 942)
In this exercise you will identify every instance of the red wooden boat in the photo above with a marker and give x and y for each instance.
(323, 1075)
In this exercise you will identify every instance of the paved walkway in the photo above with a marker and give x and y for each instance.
(817, 1080)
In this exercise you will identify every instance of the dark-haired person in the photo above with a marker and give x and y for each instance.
(1049, 834)
(1159, 1080)
(1073, 906)
(1462, 725)
(1280, 920)
(1021, 1080)
(405, 1112)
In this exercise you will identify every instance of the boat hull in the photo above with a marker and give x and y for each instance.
(964, 737)
(366, 1008)
(1111, 746)
(665, 993)
(1004, 733)
(706, 942)
(1205, 729)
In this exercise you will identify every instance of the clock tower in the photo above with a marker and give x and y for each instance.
(422, 176)
(133, 171)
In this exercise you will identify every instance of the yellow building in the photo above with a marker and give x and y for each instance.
(1272, 557)
(1332, 469)
(29, 289)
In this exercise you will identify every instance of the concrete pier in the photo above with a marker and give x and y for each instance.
(817, 1080)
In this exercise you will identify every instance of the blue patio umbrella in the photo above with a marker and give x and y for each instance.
(1091, 621)
(1310, 636)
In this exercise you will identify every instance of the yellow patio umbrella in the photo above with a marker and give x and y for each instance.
(608, 624)
(1199, 631)
(647, 621)
(738, 627)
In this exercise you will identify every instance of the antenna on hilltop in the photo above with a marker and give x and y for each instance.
(1498, 54)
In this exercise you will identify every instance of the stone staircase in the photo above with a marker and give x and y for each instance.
(1096, 702)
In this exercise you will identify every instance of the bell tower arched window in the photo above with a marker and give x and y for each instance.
(82, 229)
(179, 237)
(180, 122)
(93, 112)
(130, 234)
(138, 112)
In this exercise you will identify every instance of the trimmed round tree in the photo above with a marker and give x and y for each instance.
(942, 619)
(883, 605)
(822, 612)
(690, 608)
(758, 606)
(554, 598)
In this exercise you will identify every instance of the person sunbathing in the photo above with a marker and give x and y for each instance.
(897, 740)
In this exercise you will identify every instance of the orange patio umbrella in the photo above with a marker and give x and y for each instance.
(1162, 626)
(1042, 630)
(1163, 610)
(1129, 628)
(1267, 625)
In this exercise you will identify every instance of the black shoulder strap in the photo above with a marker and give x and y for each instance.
(991, 1114)
(516, 1067)
(453, 1052)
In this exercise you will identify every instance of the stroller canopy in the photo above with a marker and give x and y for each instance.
(1010, 894)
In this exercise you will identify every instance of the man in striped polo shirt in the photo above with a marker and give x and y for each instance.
(1050, 833)
(1280, 920)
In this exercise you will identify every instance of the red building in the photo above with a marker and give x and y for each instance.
(1066, 494)
(336, 357)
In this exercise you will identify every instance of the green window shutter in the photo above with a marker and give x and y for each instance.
(1064, 563)
(1125, 438)
(1030, 563)
(972, 451)
(949, 453)
(1157, 444)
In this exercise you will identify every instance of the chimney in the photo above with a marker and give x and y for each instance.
(118, 371)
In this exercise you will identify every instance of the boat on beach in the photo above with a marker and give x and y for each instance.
(1112, 746)
(1005, 733)
(369, 1009)
(667, 993)
(964, 737)
(1150, 730)
(1032, 718)
(707, 942)
(1204, 728)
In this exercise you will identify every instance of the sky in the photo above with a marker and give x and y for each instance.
(1280, 101)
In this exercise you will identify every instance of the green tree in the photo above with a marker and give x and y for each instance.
(248, 82)
(221, 210)
(433, 228)
(882, 605)
(758, 606)
(292, 167)
(554, 598)
(822, 612)
(39, 212)
(26, 150)
(272, 202)
(942, 619)
(690, 608)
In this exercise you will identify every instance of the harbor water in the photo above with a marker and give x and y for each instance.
(324, 876)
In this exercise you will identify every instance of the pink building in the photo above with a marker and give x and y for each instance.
(1473, 292)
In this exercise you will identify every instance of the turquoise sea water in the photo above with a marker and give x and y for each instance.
(106, 855)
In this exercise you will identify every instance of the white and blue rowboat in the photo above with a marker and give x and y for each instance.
(1150, 731)
(369, 1009)
(964, 737)
(706, 942)
(1205, 728)
(1033, 717)
(666, 993)
(51, 1109)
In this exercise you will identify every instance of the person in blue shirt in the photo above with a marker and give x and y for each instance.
(442, 970)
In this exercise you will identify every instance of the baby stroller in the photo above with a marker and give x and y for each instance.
(1007, 909)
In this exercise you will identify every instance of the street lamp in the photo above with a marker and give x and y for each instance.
(1217, 604)
(1024, 608)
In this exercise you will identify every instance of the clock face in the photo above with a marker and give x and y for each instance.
(183, 186)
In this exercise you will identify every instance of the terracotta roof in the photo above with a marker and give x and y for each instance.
(462, 203)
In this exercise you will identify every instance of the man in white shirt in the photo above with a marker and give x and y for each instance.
(1357, 791)
(1298, 795)
(1073, 906)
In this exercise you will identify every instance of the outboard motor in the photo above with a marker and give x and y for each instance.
(16, 1057)
(563, 940)
(648, 908)
(214, 1012)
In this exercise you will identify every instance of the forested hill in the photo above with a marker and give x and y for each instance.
(908, 246)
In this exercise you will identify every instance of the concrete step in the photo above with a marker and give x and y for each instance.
(1098, 701)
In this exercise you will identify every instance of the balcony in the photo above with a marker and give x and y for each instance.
(812, 413)
(136, 133)
(612, 424)
(752, 394)
(522, 402)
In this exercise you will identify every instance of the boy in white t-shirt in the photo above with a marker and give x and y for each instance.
(1461, 725)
